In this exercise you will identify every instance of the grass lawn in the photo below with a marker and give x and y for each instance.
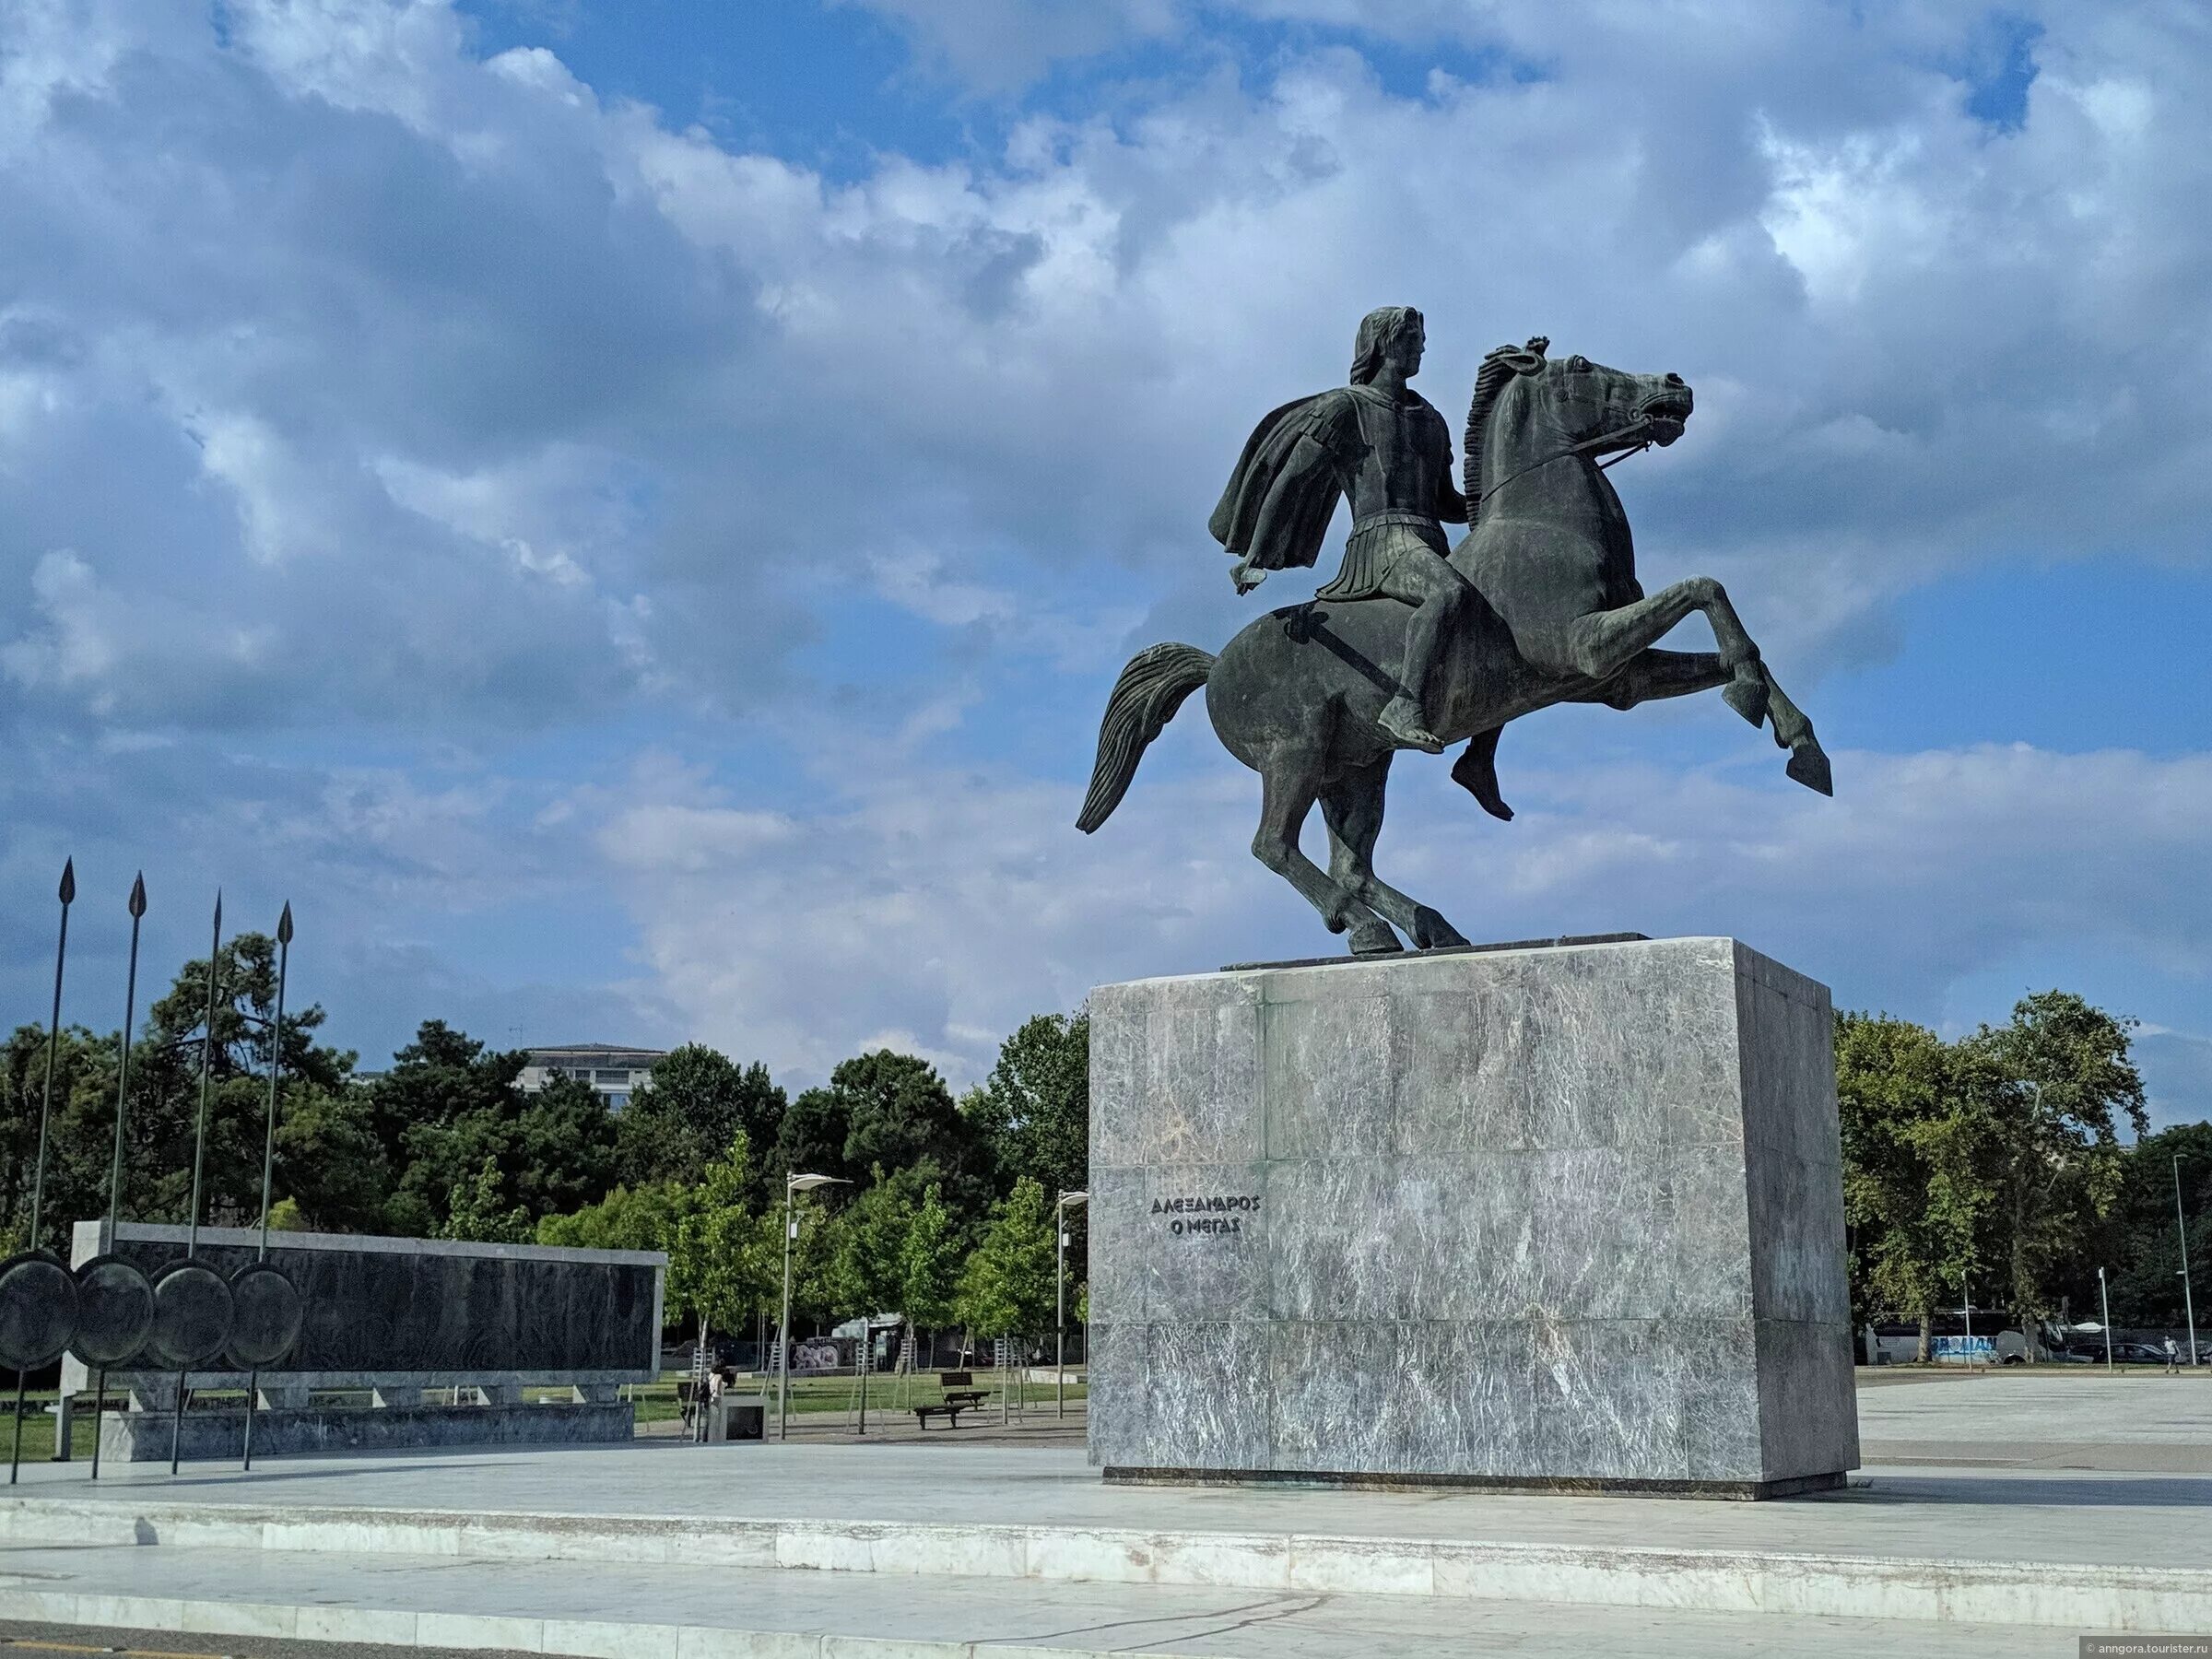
(656, 1401)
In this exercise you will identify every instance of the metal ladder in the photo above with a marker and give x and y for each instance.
(699, 1388)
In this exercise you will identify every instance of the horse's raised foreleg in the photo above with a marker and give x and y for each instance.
(1600, 643)
(1353, 807)
(1603, 643)
(1654, 674)
(1808, 761)
(1286, 794)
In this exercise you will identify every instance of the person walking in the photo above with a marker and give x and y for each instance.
(2173, 1358)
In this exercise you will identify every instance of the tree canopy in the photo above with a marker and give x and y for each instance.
(1983, 1167)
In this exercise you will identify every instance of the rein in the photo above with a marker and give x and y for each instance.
(1643, 423)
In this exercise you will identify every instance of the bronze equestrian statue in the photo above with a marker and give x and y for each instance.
(1537, 605)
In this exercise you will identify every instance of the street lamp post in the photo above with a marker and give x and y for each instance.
(2182, 1221)
(1060, 1209)
(792, 1183)
(2105, 1302)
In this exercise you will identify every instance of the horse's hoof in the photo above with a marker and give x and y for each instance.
(1747, 694)
(1432, 932)
(1809, 767)
(1373, 937)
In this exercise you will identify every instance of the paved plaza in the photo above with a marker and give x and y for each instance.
(665, 1549)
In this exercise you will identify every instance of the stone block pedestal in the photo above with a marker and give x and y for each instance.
(1558, 1218)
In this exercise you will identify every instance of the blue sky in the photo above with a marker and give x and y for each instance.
(627, 514)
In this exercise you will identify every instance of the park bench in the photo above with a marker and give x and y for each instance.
(961, 1395)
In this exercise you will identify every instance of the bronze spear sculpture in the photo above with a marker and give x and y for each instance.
(123, 1095)
(199, 1154)
(38, 1178)
(268, 1145)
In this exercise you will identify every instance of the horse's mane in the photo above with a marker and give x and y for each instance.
(1497, 372)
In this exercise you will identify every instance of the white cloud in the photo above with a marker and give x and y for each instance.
(956, 904)
(353, 386)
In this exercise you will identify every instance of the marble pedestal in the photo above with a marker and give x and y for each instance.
(1555, 1218)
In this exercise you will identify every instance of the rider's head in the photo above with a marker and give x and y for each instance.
(1395, 331)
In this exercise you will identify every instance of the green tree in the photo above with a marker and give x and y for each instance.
(443, 1078)
(75, 1186)
(317, 1155)
(1916, 1189)
(479, 1210)
(717, 1269)
(555, 1148)
(868, 1248)
(900, 1116)
(1007, 1287)
(930, 1260)
(682, 1121)
(644, 1218)
(884, 1109)
(2052, 1087)
(811, 1139)
(2139, 1240)
(1034, 1114)
(330, 1165)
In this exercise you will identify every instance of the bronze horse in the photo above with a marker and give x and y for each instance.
(1554, 615)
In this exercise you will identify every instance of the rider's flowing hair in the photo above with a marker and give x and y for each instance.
(1378, 330)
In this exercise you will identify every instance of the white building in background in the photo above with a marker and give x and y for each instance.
(615, 1072)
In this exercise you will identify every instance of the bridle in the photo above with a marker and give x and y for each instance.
(1634, 429)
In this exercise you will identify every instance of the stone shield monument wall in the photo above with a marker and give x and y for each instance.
(1561, 1216)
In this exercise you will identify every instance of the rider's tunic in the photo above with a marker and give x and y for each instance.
(1397, 483)
(1392, 455)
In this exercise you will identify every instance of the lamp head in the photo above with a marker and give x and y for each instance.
(806, 1183)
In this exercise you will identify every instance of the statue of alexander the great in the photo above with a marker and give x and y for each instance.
(1538, 604)
(1384, 445)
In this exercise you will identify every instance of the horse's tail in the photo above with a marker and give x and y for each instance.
(1145, 698)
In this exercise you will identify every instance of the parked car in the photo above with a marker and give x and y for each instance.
(2135, 1353)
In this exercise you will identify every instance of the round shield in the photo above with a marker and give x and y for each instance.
(115, 1311)
(192, 1315)
(37, 1310)
(268, 1316)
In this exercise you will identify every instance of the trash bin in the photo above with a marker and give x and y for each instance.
(737, 1418)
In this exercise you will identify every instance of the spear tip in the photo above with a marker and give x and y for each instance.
(218, 912)
(68, 880)
(284, 924)
(138, 897)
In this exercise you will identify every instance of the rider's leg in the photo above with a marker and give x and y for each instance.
(1476, 772)
(1438, 595)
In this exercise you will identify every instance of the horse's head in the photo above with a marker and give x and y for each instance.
(1566, 404)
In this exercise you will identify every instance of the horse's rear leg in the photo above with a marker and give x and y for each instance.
(1353, 807)
(1286, 796)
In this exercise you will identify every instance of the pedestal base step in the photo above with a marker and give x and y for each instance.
(1540, 1485)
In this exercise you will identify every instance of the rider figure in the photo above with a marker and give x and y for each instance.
(1384, 445)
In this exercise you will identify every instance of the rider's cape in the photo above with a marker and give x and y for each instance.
(1265, 466)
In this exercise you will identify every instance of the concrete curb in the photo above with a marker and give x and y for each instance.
(593, 1639)
(2086, 1595)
